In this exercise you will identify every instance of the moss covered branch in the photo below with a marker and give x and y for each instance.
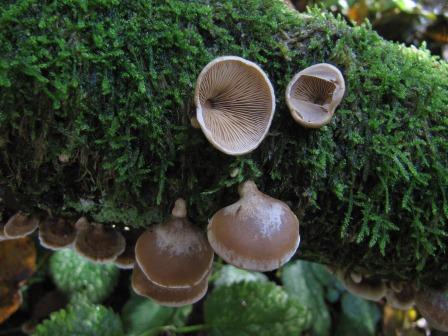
(95, 107)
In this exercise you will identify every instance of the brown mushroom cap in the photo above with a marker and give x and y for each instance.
(96, 243)
(257, 233)
(235, 104)
(20, 225)
(126, 260)
(171, 297)
(368, 288)
(433, 305)
(56, 233)
(314, 94)
(403, 299)
(174, 254)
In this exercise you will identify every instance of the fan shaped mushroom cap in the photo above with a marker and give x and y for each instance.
(20, 225)
(174, 254)
(256, 233)
(433, 305)
(368, 288)
(171, 297)
(403, 299)
(314, 94)
(96, 243)
(56, 233)
(235, 104)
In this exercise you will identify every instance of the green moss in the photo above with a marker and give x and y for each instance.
(109, 85)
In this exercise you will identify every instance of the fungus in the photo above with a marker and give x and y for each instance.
(97, 243)
(2, 232)
(20, 225)
(314, 94)
(174, 254)
(257, 233)
(367, 288)
(235, 104)
(126, 260)
(402, 299)
(171, 297)
(433, 305)
(56, 234)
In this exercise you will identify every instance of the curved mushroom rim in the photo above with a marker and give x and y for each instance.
(199, 109)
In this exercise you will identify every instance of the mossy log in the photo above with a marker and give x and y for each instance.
(95, 108)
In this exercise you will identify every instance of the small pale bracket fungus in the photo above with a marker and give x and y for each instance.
(170, 297)
(368, 288)
(20, 225)
(257, 233)
(56, 233)
(235, 103)
(97, 243)
(174, 254)
(314, 94)
(433, 305)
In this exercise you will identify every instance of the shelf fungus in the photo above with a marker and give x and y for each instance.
(56, 233)
(314, 94)
(20, 225)
(401, 295)
(235, 103)
(257, 233)
(96, 243)
(174, 254)
(171, 297)
(433, 305)
(367, 288)
(126, 260)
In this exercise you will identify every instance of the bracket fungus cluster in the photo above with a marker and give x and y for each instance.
(173, 261)
(257, 233)
(56, 233)
(235, 104)
(20, 225)
(314, 94)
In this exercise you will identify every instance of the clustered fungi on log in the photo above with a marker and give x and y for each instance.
(364, 187)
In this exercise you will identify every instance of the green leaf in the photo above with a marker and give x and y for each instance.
(229, 274)
(304, 280)
(359, 316)
(84, 319)
(77, 277)
(140, 315)
(253, 308)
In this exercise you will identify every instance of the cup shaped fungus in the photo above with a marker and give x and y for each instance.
(174, 254)
(235, 104)
(433, 305)
(20, 225)
(97, 243)
(258, 232)
(314, 94)
(56, 234)
(165, 296)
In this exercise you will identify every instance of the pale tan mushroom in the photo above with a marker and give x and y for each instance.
(96, 243)
(171, 297)
(20, 225)
(433, 305)
(258, 232)
(314, 94)
(235, 104)
(400, 295)
(56, 233)
(368, 288)
(174, 254)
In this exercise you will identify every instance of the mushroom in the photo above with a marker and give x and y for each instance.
(174, 254)
(171, 297)
(97, 243)
(402, 299)
(235, 104)
(257, 233)
(2, 232)
(56, 234)
(126, 260)
(314, 94)
(367, 288)
(433, 305)
(20, 225)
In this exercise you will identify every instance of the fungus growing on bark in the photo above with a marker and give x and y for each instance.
(314, 94)
(171, 297)
(235, 104)
(174, 254)
(257, 233)
(20, 225)
(56, 233)
(401, 298)
(367, 288)
(433, 305)
(97, 243)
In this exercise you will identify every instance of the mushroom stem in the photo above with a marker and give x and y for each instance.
(247, 188)
(180, 209)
